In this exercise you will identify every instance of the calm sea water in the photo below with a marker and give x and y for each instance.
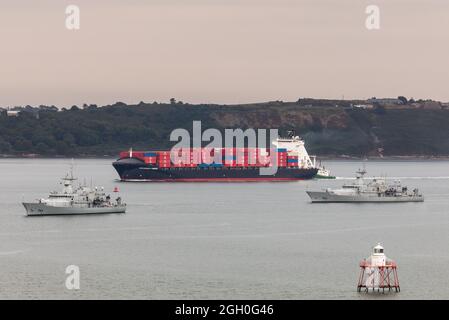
(221, 240)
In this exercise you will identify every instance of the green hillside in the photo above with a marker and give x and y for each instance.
(328, 129)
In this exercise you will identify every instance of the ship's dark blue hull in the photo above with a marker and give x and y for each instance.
(132, 169)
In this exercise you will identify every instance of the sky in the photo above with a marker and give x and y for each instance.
(221, 51)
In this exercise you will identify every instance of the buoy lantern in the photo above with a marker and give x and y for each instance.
(378, 272)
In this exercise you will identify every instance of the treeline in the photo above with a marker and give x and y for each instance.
(94, 131)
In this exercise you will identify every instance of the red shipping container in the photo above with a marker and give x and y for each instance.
(149, 160)
(134, 154)
(195, 155)
(124, 154)
(264, 160)
(207, 157)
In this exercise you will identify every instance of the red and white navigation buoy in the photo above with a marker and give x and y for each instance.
(378, 272)
(116, 189)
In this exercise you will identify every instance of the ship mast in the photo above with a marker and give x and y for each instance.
(69, 176)
(361, 172)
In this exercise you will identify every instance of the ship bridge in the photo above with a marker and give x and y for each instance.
(295, 147)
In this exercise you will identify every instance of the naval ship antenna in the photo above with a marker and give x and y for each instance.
(69, 176)
(361, 172)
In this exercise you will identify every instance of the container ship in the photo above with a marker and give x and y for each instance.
(219, 164)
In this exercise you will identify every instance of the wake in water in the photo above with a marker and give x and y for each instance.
(7, 253)
(396, 178)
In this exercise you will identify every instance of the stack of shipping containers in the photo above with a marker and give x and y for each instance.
(207, 157)
(292, 161)
(150, 157)
(163, 159)
(282, 157)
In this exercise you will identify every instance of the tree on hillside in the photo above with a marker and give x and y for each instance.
(403, 99)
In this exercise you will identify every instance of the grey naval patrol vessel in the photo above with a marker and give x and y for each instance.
(376, 190)
(75, 200)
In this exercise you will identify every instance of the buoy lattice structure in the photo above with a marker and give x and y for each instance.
(378, 273)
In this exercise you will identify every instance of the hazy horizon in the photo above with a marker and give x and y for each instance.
(221, 51)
